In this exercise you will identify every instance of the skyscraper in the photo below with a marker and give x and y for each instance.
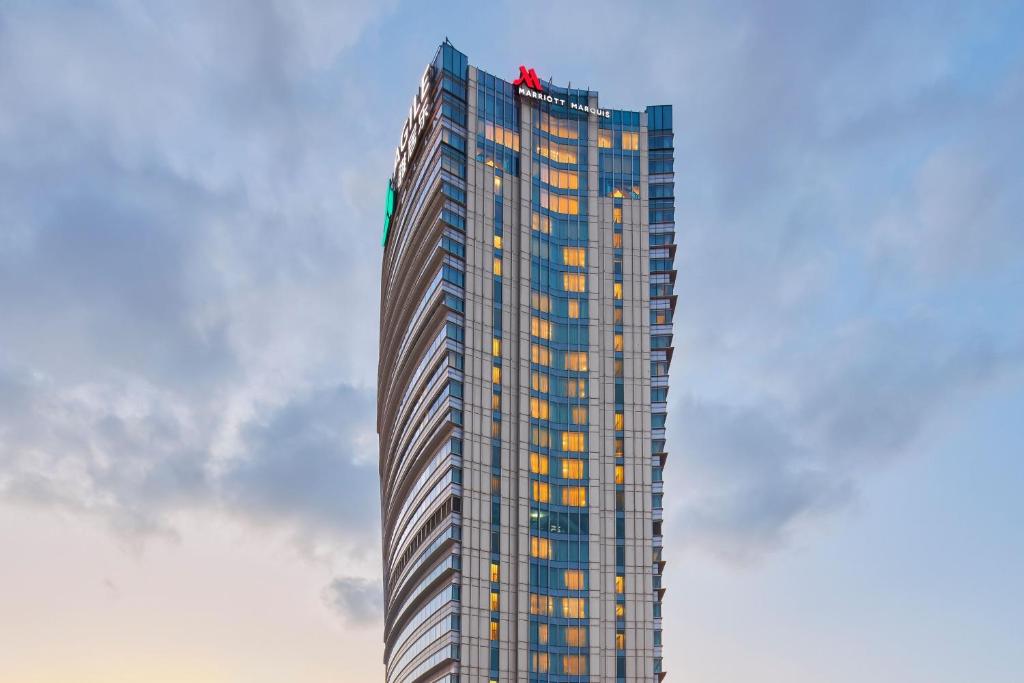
(526, 335)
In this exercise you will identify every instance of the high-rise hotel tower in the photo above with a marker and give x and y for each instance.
(525, 341)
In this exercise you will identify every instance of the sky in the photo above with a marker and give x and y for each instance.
(190, 205)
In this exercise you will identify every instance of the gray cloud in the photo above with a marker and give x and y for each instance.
(357, 600)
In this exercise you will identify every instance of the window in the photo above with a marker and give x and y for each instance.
(620, 476)
(619, 422)
(558, 203)
(574, 665)
(620, 584)
(630, 141)
(574, 256)
(574, 308)
(617, 290)
(539, 408)
(576, 360)
(540, 355)
(496, 347)
(564, 180)
(539, 382)
(542, 302)
(542, 634)
(576, 636)
(579, 415)
(497, 266)
(497, 239)
(538, 463)
(540, 547)
(494, 629)
(573, 579)
(617, 215)
(539, 436)
(620, 610)
(617, 240)
(604, 138)
(559, 127)
(495, 574)
(539, 661)
(541, 494)
(541, 223)
(502, 136)
(618, 342)
(574, 496)
(496, 374)
(620, 640)
(573, 442)
(540, 328)
(565, 154)
(543, 605)
(576, 388)
(572, 468)
(574, 608)
(574, 282)
(495, 401)
(617, 316)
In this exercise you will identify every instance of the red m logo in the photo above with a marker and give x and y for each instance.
(528, 77)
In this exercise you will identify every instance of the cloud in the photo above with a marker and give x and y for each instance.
(359, 601)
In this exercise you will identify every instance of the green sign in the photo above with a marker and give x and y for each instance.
(389, 211)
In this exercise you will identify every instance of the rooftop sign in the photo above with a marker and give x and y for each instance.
(530, 86)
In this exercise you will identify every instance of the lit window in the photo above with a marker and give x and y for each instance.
(618, 342)
(617, 316)
(572, 468)
(564, 180)
(576, 636)
(619, 422)
(573, 442)
(496, 347)
(620, 584)
(494, 630)
(620, 640)
(620, 477)
(617, 290)
(574, 608)
(540, 547)
(573, 579)
(542, 302)
(617, 367)
(559, 127)
(538, 463)
(574, 665)
(574, 308)
(576, 388)
(541, 494)
(495, 484)
(540, 437)
(620, 610)
(574, 496)
(497, 240)
(539, 382)
(620, 448)
(617, 215)
(565, 154)
(497, 266)
(540, 355)
(540, 662)
(497, 185)
(574, 256)
(617, 240)
(630, 141)
(579, 415)
(542, 604)
(495, 574)
(540, 328)
(496, 429)
(542, 634)
(496, 374)
(541, 223)
(502, 136)
(576, 360)
(558, 203)
(539, 408)
(495, 401)
(604, 138)
(574, 282)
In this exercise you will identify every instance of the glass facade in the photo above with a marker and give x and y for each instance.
(526, 334)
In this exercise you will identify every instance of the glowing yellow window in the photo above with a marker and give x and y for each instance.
(558, 203)
(564, 180)
(573, 579)
(617, 290)
(539, 382)
(620, 476)
(538, 463)
(574, 256)
(540, 662)
(542, 302)
(574, 665)
(620, 448)
(579, 415)
(576, 388)
(496, 429)
(540, 547)
(497, 185)
(576, 636)
(497, 239)
(539, 436)
(617, 340)
(565, 154)
(574, 308)
(540, 355)
(496, 374)
(630, 141)
(620, 610)
(574, 608)
(539, 408)
(497, 266)
(573, 442)
(574, 496)
(617, 367)
(496, 347)
(574, 282)
(572, 468)
(495, 483)
(495, 401)
(542, 604)
(620, 584)
(494, 630)
(576, 360)
(620, 422)
(604, 138)
(617, 240)
(620, 640)
(495, 573)
(540, 328)
(541, 494)
(617, 217)
(617, 316)
(541, 223)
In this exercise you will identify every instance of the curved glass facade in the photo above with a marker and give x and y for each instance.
(526, 334)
